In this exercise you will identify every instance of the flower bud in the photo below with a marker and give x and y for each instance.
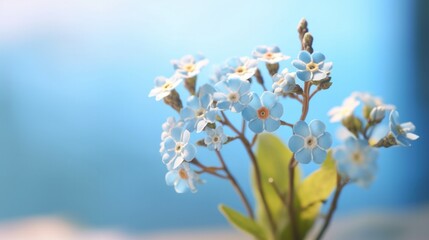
(173, 100)
(377, 114)
(259, 77)
(353, 124)
(273, 68)
(190, 84)
(307, 42)
(387, 141)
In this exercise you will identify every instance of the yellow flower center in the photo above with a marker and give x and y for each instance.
(240, 70)
(190, 67)
(200, 112)
(167, 85)
(263, 113)
(312, 67)
(183, 174)
(268, 55)
(178, 147)
(357, 157)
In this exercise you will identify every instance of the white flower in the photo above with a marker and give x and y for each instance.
(284, 82)
(189, 66)
(215, 138)
(242, 68)
(339, 113)
(168, 125)
(269, 54)
(182, 178)
(177, 148)
(164, 86)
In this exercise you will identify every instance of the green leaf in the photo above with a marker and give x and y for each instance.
(273, 158)
(315, 189)
(243, 223)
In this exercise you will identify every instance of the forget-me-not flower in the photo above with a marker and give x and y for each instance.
(346, 110)
(215, 138)
(356, 161)
(243, 68)
(403, 132)
(168, 125)
(312, 67)
(189, 66)
(263, 113)
(177, 148)
(269, 54)
(284, 82)
(233, 94)
(221, 73)
(198, 113)
(182, 178)
(164, 86)
(310, 142)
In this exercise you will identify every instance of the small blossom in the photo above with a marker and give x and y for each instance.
(221, 73)
(346, 110)
(356, 161)
(367, 99)
(284, 82)
(377, 114)
(164, 86)
(310, 142)
(189, 66)
(403, 132)
(233, 94)
(242, 68)
(168, 126)
(263, 113)
(177, 148)
(198, 113)
(312, 67)
(269, 54)
(182, 178)
(215, 138)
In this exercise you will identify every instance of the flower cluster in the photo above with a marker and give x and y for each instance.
(205, 121)
(357, 157)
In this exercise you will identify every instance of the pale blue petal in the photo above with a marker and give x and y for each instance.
(319, 75)
(271, 125)
(318, 57)
(256, 126)
(304, 56)
(304, 75)
(301, 128)
(303, 156)
(187, 113)
(234, 62)
(190, 125)
(169, 143)
(326, 66)
(300, 65)
(171, 177)
(295, 143)
(325, 140)
(275, 49)
(211, 115)
(249, 113)
(245, 87)
(237, 107)
(178, 161)
(205, 101)
(193, 102)
(189, 152)
(319, 155)
(276, 111)
(181, 186)
(340, 155)
(234, 84)
(160, 81)
(167, 157)
(246, 98)
(176, 134)
(256, 102)
(268, 99)
(224, 105)
(317, 127)
(201, 124)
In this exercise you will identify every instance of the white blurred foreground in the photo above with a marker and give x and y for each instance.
(411, 224)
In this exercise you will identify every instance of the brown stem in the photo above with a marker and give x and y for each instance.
(254, 140)
(293, 96)
(248, 147)
(306, 100)
(209, 170)
(292, 213)
(236, 185)
(286, 123)
(314, 92)
(333, 207)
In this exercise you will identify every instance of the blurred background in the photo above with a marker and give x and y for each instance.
(79, 138)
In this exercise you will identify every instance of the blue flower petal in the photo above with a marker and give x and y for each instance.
(237, 107)
(211, 115)
(318, 57)
(249, 113)
(304, 56)
(256, 102)
(193, 102)
(299, 64)
(187, 113)
(319, 155)
(271, 125)
(276, 111)
(176, 134)
(205, 101)
(234, 84)
(325, 140)
(256, 126)
(275, 49)
(317, 127)
(268, 99)
(181, 186)
(303, 156)
(171, 177)
(295, 143)
(169, 143)
(304, 75)
(224, 105)
(301, 128)
(246, 98)
(244, 88)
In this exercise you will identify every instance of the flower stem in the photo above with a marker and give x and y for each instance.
(236, 185)
(306, 100)
(292, 213)
(333, 207)
(247, 145)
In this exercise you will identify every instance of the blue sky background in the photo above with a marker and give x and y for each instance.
(80, 138)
